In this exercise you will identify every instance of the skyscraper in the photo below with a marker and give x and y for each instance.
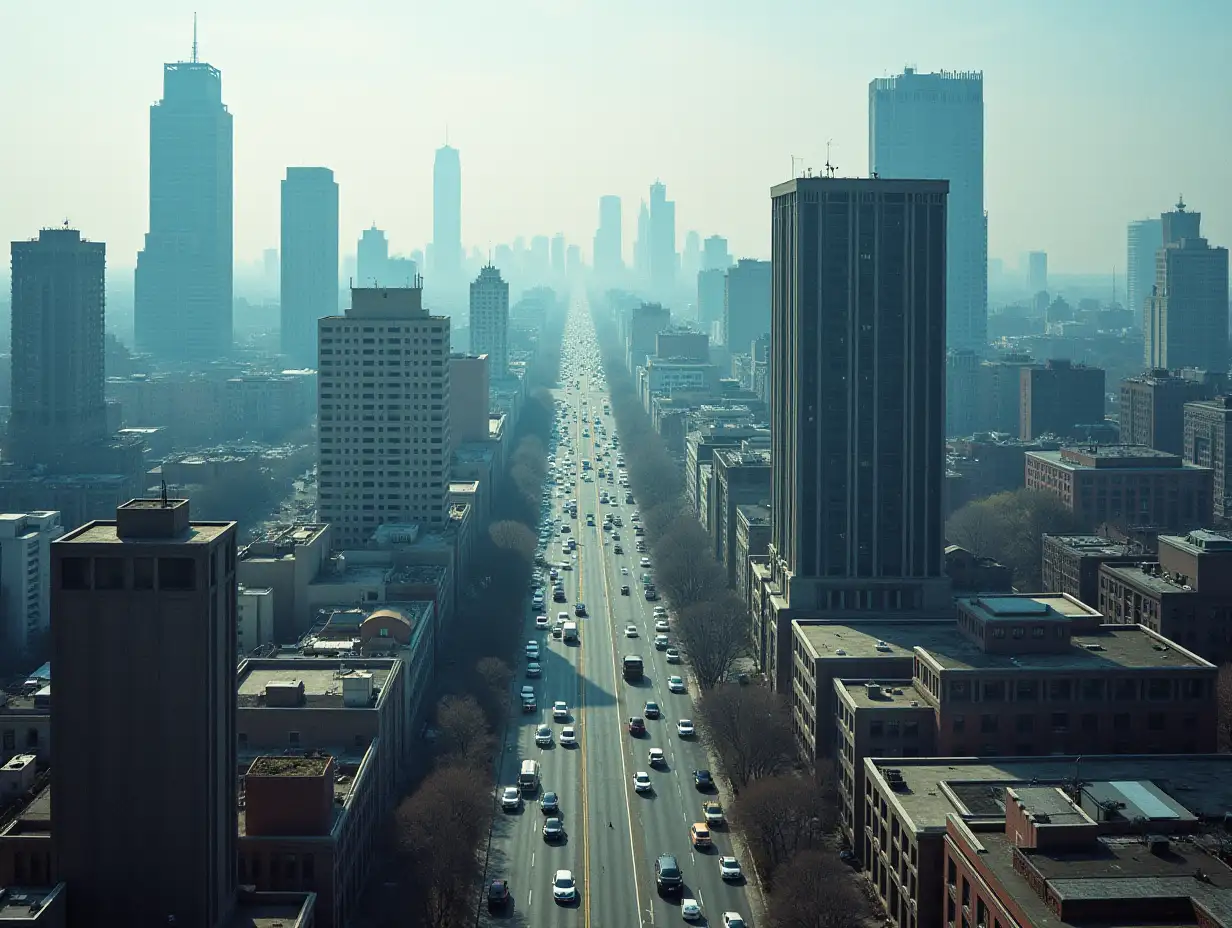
(932, 126)
(715, 256)
(447, 213)
(489, 320)
(691, 259)
(857, 404)
(663, 257)
(641, 245)
(57, 327)
(608, 246)
(1037, 272)
(372, 259)
(558, 255)
(401, 449)
(1144, 239)
(1187, 311)
(182, 297)
(309, 260)
(746, 304)
(149, 589)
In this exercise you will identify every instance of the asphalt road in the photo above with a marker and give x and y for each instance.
(614, 834)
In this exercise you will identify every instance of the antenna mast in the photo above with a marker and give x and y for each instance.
(194, 57)
(830, 167)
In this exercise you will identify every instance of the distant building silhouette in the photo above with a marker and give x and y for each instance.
(714, 254)
(746, 304)
(663, 257)
(447, 213)
(372, 259)
(309, 260)
(1143, 239)
(608, 259)
(558, 255)
(183, 286)
(1037, 271)
(489, 320)
(641, 245)
(932, 126)
(58, 346)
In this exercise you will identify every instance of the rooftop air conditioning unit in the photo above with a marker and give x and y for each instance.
(882, 646)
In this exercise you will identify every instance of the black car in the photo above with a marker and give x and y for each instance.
(560, 597)
(652, 710)
(549, 802)
(579, 609)
(498, 894)
(668, 878)
(703, 780)
(624, 590)
(619, 549)
(553, 829)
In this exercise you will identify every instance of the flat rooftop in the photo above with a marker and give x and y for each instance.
(894, 694)
(974, 788)
(1111, 647)
(268, 914)
(16, 901)
(1134, 575)
(865, 640)
(1090, 544)
(104, 532)
(1017, 606)
(322, 679)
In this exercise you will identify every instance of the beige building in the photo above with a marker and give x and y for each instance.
(286, 560)
(469, 403)
(255, 617)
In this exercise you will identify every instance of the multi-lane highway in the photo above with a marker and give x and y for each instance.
(614, 834)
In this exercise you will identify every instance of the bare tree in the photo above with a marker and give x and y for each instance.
(713, 634)
(816, 891)
(494, 676)
(749, 728)
(513, 538)
(464, 734)
(1223, 706)
(437, 831)
(685, 570)
(975, 527)
(783, 816)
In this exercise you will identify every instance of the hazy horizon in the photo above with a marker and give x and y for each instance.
(1089, 123)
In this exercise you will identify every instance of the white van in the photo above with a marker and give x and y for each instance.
(528, 779)
(571, 631)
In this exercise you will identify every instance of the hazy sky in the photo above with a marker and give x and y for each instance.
(1096, 111)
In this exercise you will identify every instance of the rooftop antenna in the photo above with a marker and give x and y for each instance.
(1180, 203)
(163, 494)
(794, 159)
(830, 166)
(194, 57)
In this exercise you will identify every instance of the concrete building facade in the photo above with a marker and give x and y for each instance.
(25, 577)
(1071, 563)
(489, 320)
(1207, 425)
(1060, 399)
(746, 303)
(309, 260)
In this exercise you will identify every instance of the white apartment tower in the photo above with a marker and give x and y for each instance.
(490, 320)
(383, 414)
(25, 577)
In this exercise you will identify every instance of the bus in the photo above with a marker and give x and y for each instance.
(632, 667)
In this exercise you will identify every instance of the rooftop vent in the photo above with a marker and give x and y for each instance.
(882, 646)
(841, 652)
(873, 690)
(894, 777)
(1093, 646)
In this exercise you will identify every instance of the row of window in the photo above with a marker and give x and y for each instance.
(1088, 689)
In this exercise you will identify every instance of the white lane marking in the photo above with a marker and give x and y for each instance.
(530, 896)
(532, 860)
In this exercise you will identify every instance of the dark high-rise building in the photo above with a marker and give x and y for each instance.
(1061, 399)
(182, 299)
(58, 346)
(746, 304)
(715, 256)
(1187, 312)
(489, 320)
(608, 245)
(447, 213)
(857, 404)
(663, 257)
(932, 125)
(156, 594)
(372, 259)
(1152, 407)
(1143, 240)
(309, 260)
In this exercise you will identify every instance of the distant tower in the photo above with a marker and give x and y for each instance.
(489, 320)
(183, 286)
(691, 259)
(1143, 239)
(57, 327)
(372, 259)
(608, 258)
(663, 257)
(931, 126)
(558, 255)
(1037, 272)
(309, 260)
(641, 245)
(447, 213)
(715, 256)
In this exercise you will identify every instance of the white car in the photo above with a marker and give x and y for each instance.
(511, 799)
(660, 642)
(675, 685)
(560, 710)
(684, 728)
(656, 757)
(568, 737)
(660, 626)
(729, 869)
(533, 669)
(630, 631)
(641, 781)
(543, 736)
(624, 571)
(564, 889)
(673, 656)
(541, 621)
(690, 911)
(532, 652)
(660, 612)
(733, 920)
(644, 562)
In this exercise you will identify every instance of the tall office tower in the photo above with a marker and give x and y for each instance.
(1144, 239)
(489, 320)
(746, 304)
(447, 214)
(391, 464)
(372, 258)
(558, 254)
(715, 256)
(1037, 271)
(691, 258)
(57, 329)
(183, 294)
(149, 589)
(857, 396)
(25, 578)
(309, 260)
(711, 292)
(608, 254)
(641, 245)
(932, 126)
(663, 257)
(538, 260)
(1187, 312)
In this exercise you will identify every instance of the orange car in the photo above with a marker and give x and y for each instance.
(700, 833)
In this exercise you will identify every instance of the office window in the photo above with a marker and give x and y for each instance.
(143, 573)
(75, 573)
(108, 573)
(177, 574)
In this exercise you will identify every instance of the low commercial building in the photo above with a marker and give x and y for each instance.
(1071, 563)
(970, 573)
(287, 559)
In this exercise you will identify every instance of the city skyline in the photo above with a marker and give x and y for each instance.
(1028, 110)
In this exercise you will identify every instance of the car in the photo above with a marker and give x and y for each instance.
(553, 574)
(528, 691)
(616, 537)
(624, 589)
(533, 669)
(660, 642)
(668, 878)
(541, 621)
(560, 710)
(641, 781)
(624, 571)
(675, 685)
(568, 736)
(630, 631)
(564, 889)
(528, 704)
(499, 894)
(511, 799)
(673, 655)
(543, 736)
(532, 643)
(651, 594)
(553, 829)
(690, 911)
(685, 729)
(656, 757)
(637, 725)
(660, 625)
(618, 549)
(644, 562)
(549, 802)
(629, 498)
(558, 630)
(579, 609)
(729, 869)
(660, 612)
(703, 780)
(699, 834)
(712, 811)
(733, 920)
(532, 653)
(651, 710)
(559, 597)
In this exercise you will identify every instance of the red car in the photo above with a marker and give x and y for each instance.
(637, 726)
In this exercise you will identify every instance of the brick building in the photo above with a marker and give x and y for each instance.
(1152, 408)
(1070, 563)
(1128, 484)
(1206, 444)
(1060, 399)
